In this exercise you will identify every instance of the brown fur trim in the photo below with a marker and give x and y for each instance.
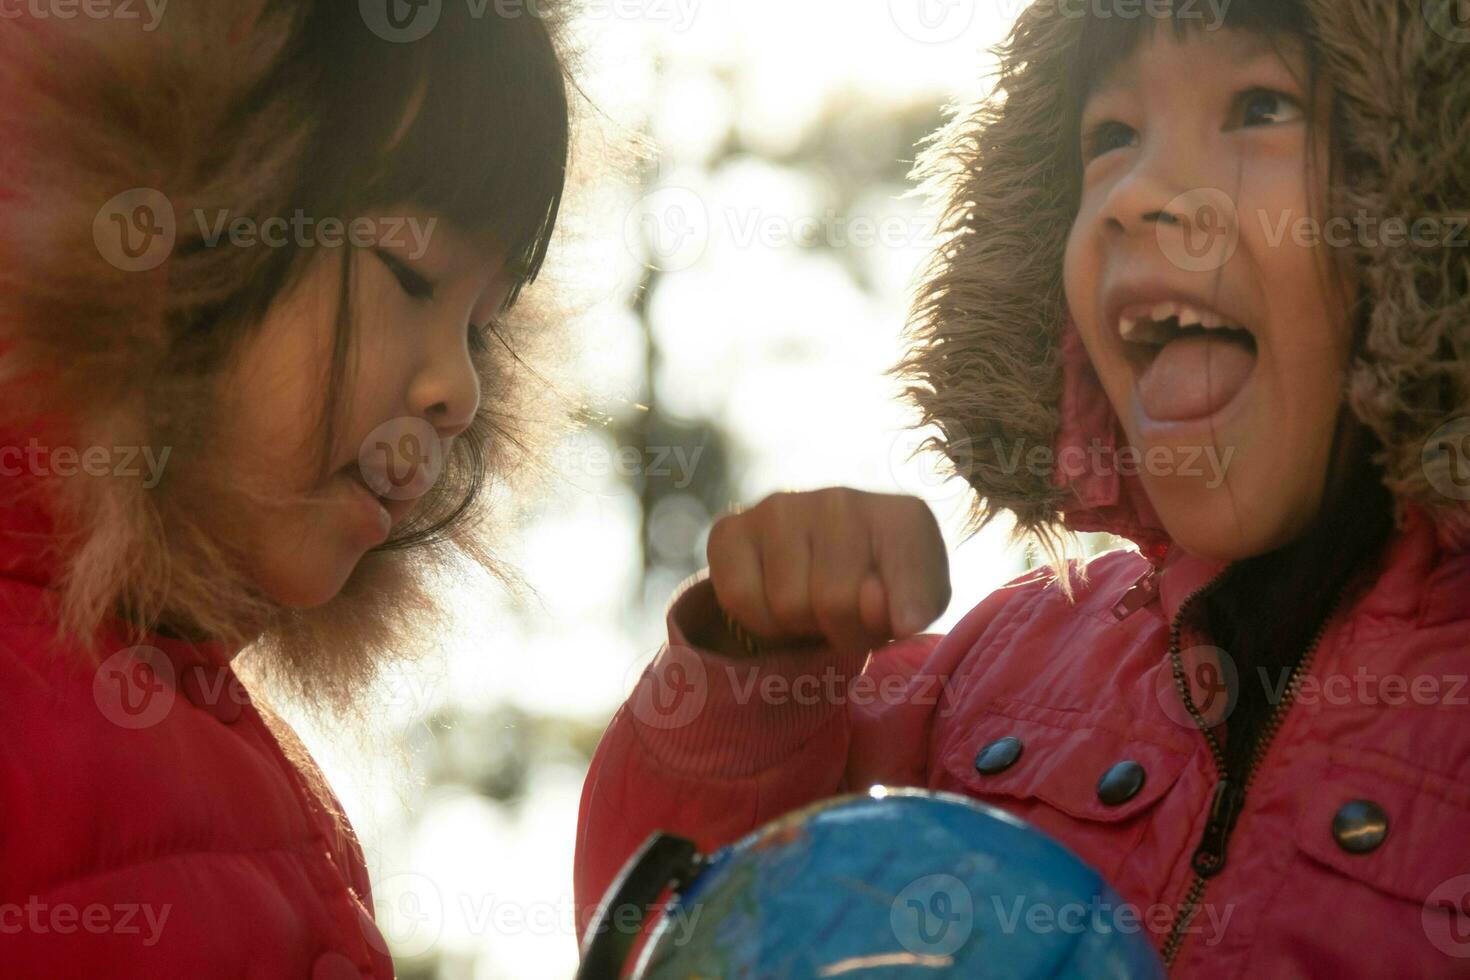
(984, 365)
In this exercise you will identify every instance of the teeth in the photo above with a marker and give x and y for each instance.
(1147, 327)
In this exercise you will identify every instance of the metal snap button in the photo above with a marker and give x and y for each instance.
(998, 756)
(1121, 783)
(1360, 826)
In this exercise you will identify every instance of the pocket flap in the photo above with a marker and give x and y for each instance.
(1427, 844)
(1064, 756)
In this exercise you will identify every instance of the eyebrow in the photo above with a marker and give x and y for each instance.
(1254, 49)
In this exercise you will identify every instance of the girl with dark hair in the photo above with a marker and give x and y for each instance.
(1204, 284)
(261, 354)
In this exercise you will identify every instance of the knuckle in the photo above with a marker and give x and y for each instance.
(831, 605)
(787, 607)
(739, 597)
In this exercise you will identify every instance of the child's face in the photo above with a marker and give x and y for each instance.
(1181, 122)
(409, 372)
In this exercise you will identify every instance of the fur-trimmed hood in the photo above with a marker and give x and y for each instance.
(997, 366)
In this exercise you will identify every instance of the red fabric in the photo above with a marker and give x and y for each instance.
(699, 751)
(150, 824)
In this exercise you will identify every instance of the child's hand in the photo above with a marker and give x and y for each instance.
(857, 569)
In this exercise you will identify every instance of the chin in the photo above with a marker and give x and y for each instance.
(306, 585)
(1216, 524)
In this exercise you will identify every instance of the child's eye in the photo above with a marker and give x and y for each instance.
(1262, 106)
(1104, 137)
(412, 283)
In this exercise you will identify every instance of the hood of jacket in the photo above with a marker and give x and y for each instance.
(998, 368)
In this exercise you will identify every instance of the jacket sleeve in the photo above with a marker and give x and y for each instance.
(711, 747)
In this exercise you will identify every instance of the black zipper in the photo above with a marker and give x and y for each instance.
(1228, 799)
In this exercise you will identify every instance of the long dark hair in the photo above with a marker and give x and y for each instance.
(1266, 609)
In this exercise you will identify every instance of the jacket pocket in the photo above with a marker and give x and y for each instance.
(1380, 884)
(1079, 777)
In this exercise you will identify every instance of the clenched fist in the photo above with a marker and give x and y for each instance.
(855, 569)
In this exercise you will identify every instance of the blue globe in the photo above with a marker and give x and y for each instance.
(898, 883)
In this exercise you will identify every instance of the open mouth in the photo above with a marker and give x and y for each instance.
(1190, 362)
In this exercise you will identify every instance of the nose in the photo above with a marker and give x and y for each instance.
(445, 390)
(1160, 192)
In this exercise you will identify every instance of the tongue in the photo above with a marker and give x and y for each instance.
(1194, 377)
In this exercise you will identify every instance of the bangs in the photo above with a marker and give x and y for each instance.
(487, 141)
(1108, 38)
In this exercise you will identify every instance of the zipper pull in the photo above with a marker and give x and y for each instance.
(1139, 595)
(1209, 857)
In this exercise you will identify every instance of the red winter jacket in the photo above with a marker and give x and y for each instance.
(151, 825)
(710, 747)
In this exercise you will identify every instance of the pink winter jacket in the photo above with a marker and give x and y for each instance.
(710, 748)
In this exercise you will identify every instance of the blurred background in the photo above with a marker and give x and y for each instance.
(748, 287)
